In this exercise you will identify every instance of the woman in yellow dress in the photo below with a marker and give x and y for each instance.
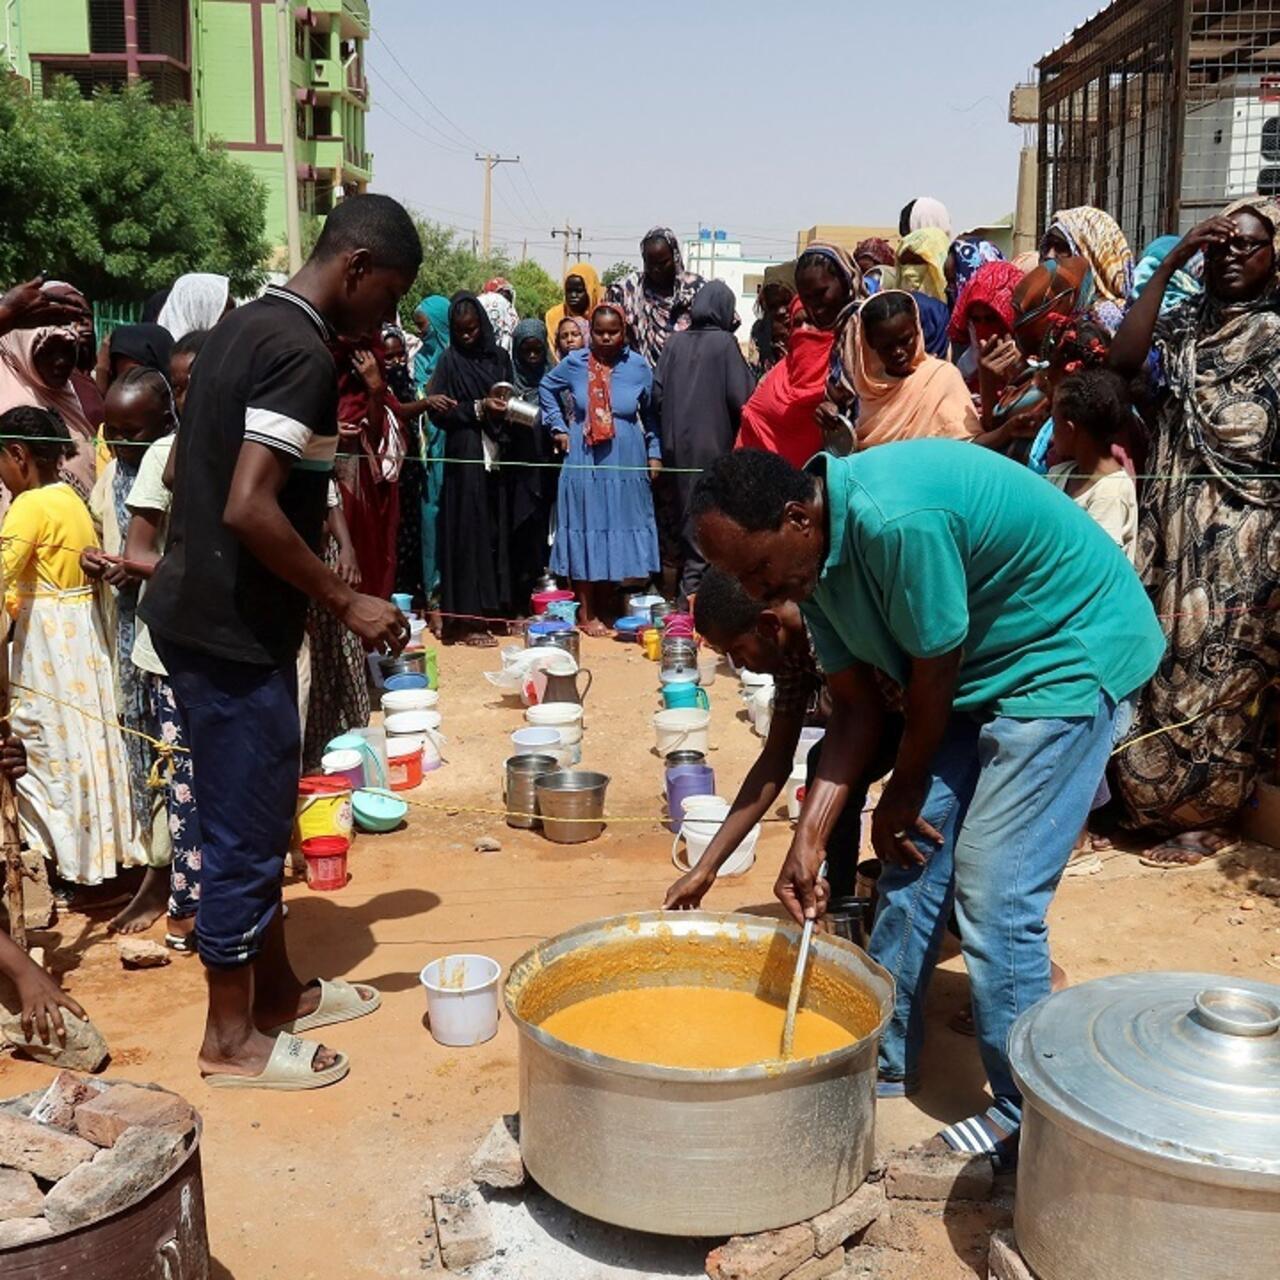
(74, 803)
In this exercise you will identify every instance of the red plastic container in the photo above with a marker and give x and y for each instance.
(326, 862)
(404, 767)
(540, 599)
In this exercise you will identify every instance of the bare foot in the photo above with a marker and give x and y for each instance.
(595, 628)
(251, 1057)
(1188, 850)
(148, 904)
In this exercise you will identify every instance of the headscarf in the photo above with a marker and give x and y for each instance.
(992, 285)
(931, 400)
(934, 319)
(1059, 287)
(876, 248)
(650, 317)
(150, 345)
(587, 274)
(779, 416)
(1186, 282)
(527, 377)
(399, 376)
(583, 326)
(500, 284)
(846, 269)
(502, 316)
(1096, 237)
(21, 384)
(468, 375)
(1220, 363)
(969, 256)
(599, 420)
(928, 212)
(931, 244)
(196, 301)
(435, 342)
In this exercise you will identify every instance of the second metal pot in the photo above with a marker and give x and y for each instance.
(567, 801)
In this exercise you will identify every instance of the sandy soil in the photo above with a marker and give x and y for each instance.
(336, 1182)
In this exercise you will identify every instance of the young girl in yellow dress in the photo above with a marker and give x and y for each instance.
(74, 802)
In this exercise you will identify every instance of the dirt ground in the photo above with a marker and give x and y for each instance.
(336, 1182)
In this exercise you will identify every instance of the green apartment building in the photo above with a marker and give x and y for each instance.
(221, 58)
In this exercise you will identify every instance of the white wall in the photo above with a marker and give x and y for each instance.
(739, 273)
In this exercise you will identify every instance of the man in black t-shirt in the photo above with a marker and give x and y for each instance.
(226, 609)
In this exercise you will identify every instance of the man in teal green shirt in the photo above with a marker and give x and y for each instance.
(1016, 627)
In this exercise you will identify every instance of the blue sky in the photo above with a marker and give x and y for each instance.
(761, 116)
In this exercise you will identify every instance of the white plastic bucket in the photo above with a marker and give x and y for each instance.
(703, 817)
(409, 700)
(555, 715)
(760, 709)
(462, 998)
(807, 738)
(535, 741)
(796, 789)
(708, 660)
(682, 729)
(404, 723)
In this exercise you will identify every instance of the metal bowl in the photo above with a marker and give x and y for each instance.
(684, 1152)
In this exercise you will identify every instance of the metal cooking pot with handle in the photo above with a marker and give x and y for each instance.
(1150, 1129)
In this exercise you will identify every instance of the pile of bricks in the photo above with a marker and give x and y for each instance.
(866, 1237)
(83, 1149)
(855, 1238)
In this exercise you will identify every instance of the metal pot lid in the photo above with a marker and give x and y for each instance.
(1179, 1070)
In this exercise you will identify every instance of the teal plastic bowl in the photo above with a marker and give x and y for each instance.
(378, 810)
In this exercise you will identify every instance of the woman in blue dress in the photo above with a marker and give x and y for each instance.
(597, 405)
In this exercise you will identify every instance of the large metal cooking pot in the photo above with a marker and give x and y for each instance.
(696, 1153)
(1150, 1129)
(162, 1236)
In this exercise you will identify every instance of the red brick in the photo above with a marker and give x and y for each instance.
(19, 1196)
(928, 1175)
(820, 1268)
(125, 1106)
(57, 1105)
(772, 1255)
(35, 1148)
(1004, 1262)
(849, 1217)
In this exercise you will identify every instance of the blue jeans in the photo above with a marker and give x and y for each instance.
(1009, 797)
(242, 727)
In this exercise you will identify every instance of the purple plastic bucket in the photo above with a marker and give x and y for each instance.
(684, 781)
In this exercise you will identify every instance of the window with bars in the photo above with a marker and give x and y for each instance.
(106, 26)
(1162, 111)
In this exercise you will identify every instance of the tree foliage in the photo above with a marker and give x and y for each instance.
(449, 264)
(616, 272)
(115, 194)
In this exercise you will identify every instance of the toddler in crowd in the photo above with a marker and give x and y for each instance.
(1092, 414)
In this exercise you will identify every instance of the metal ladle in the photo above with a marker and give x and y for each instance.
(797, 980)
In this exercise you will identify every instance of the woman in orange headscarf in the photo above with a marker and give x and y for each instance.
(581, 293)
(900, 392)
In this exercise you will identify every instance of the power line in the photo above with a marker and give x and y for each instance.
(448, 144)
(425, 97)
(417, 133)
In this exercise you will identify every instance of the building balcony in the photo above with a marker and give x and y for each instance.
(321, 153)
(352, 15)
(325, 75)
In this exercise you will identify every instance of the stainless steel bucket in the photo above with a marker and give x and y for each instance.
(566, 638)
(565, 798)
(523, 413)
(696, 1153)
(521, 796)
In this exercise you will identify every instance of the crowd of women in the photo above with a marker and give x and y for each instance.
(481, 452)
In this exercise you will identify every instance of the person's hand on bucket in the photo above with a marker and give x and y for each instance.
(377, 622)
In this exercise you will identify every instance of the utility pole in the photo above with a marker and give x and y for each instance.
(490, 161)
(524, 250)
(567, 231)
(288, 133)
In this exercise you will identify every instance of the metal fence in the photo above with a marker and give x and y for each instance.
(1160, 111)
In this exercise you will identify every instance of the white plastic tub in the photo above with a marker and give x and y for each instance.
(409, 700)
(703, 818)
(462, 998)
(535, 741)
(682, 729)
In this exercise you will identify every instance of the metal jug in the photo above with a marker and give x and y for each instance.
(565, 688)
